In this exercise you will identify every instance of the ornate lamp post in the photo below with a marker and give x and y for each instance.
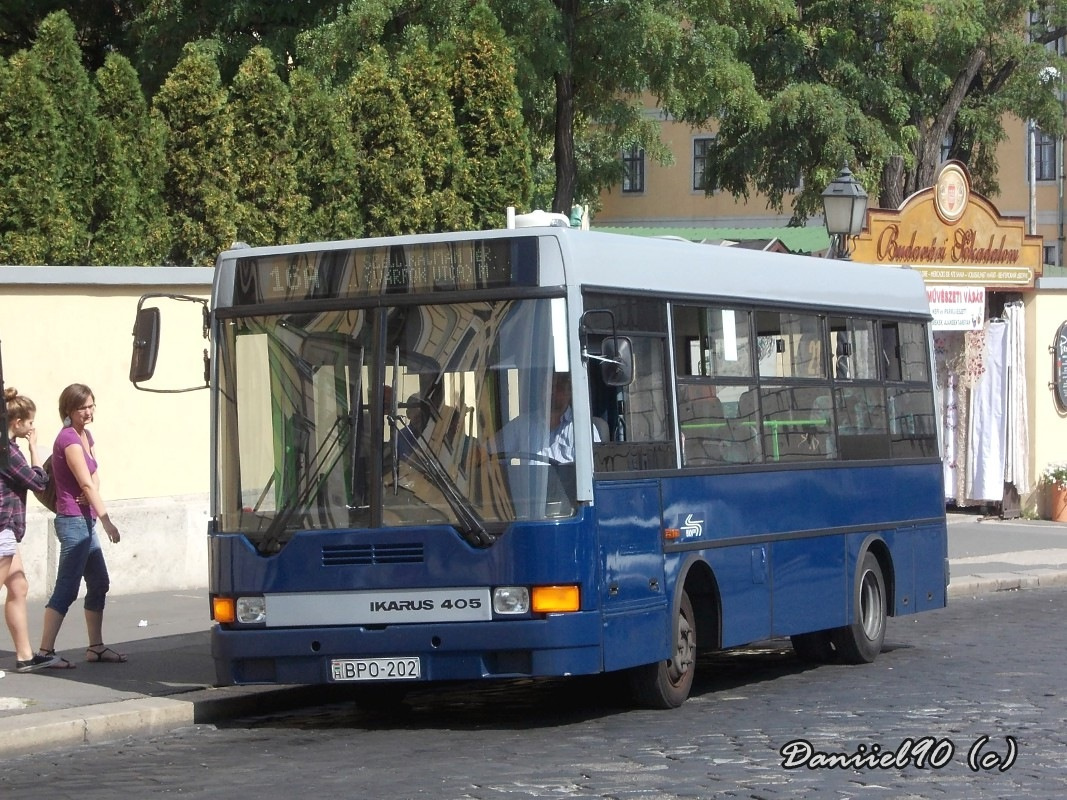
(844, 204)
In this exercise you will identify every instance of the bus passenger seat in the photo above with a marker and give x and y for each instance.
(600, 425)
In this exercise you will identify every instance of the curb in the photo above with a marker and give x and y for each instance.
(972, 585)
(22, 734)
(231, 702)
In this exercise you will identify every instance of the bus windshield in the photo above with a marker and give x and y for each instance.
(397, 416)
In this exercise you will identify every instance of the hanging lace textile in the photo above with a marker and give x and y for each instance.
(1017, 443)
(987, 435)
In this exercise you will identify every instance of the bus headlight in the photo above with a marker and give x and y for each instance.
(511, 600)
(251, 610)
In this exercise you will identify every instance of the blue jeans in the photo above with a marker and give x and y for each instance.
(80, 557)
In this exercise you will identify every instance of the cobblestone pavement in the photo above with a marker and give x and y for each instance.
(966, 702)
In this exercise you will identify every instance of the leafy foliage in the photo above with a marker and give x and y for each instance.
(129, 224)
(160, 30)
(886, 85)
(35, 224)
(270, 207)
(74, 99)
(489, 116)
(587, 70)
(1055, 474)
(424, 81)
(326, 160)
(199, 181)
(394, 194)
(284, 121)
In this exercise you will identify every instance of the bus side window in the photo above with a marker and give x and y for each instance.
(861, 423)
(796, 425)
(748, 425)
(912, 423)
(707, 436)
(853, 350)
(639, 416)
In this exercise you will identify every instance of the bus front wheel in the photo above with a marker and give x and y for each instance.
(861, 642)
(666, 684)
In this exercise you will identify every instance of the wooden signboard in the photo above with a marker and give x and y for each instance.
(952, 235)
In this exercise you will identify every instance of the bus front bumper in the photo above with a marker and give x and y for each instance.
(556, 645)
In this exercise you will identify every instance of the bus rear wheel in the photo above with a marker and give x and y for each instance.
(666, 684)
(861, 642)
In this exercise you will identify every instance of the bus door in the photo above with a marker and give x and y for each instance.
(632, 586)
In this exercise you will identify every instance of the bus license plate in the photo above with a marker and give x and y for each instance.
(375, 669)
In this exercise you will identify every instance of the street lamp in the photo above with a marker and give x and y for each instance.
(844, 204)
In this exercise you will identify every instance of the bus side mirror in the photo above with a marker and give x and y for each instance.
(145, 345)
(146, 341)
(617, 364)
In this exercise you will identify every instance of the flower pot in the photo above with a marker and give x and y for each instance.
(1057, 503)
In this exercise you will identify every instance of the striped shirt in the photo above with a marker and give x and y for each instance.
(17, 478)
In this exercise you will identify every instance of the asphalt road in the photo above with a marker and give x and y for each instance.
(965, 702)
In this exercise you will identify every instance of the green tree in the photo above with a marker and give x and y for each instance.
(74, 99)
(35, 223)
(390, 151)
(326, 160)
(270, 207)
(129, 224)
(887, 85)
(102, 25)
(585, 70)
(425, 82)
(489, 116)
(199, 180)
(162, 27)
(334, 49)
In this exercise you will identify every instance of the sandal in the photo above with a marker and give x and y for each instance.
(59, 663)
(98, 654)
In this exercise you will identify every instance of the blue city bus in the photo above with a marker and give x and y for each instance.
(751, 451)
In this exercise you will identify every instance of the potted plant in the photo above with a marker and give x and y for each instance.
(1055, 478)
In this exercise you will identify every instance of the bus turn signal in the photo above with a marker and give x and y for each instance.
(554, 599)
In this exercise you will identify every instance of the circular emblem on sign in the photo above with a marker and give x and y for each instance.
(951, 192)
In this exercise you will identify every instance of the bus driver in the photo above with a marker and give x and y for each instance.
(551, 438)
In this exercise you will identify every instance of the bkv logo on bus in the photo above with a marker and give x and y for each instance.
(693, 528)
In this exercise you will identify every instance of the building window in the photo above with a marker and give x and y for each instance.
(946, 147)
(701, 149)
(633, 165)
(1044, 156)
(1049, 254)
(1041, 26)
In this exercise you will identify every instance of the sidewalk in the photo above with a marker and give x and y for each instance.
(168, 681)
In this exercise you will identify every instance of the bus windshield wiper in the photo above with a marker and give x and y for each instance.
(317, 471)
(472, 527)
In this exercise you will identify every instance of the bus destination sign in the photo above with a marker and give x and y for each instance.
(431, 267)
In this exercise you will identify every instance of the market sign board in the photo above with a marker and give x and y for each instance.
(957, 308)
(952, 235)
(1059, 367)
